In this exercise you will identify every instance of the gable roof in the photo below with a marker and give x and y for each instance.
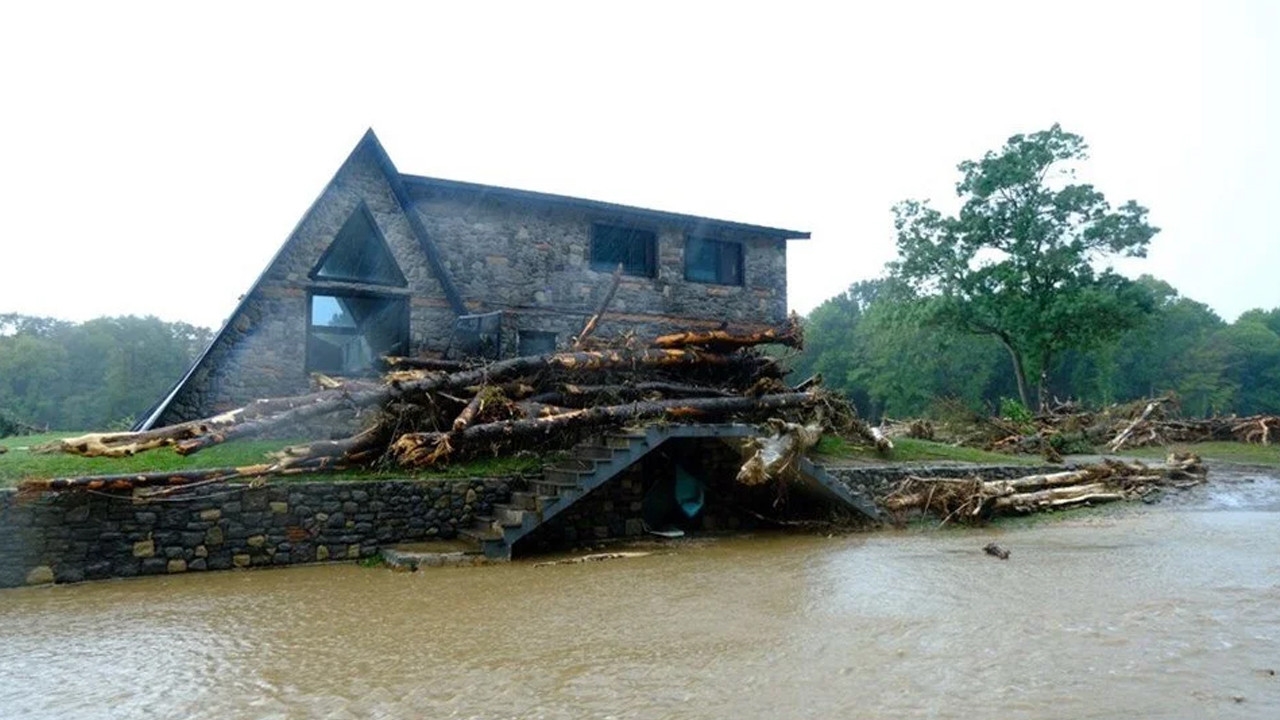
(421, 183)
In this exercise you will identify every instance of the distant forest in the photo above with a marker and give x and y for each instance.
(881, 350)
(99, 374)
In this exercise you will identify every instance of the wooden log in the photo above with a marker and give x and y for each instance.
(185, 478)
(421, 449)
(123, 482)
(789, 335)
(1120, 439)
(469, 412)
(125, 444)
(1057, 497)
(594, 320)
(580, 395)
(326, 402)
(436, 364)
(371, 439)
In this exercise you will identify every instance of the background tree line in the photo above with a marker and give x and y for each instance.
(878, 345)
(101, 373)
(1012, 297)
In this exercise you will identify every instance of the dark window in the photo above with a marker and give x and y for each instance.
(712, 261)
(636, 250)
(536, 342)
(346, 334)
(359, 254)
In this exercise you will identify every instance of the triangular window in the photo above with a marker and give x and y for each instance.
(359, 254)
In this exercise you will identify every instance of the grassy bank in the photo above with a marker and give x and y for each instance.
(837, 450)
(21, 462)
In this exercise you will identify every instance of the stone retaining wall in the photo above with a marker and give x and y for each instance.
(69, 537)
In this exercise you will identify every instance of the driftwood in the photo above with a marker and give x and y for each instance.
(975, 500)
(995, 550)
(1068, 428)
(595, 557)
(425, 449)
(594, 320)
(789, 335)
(1118, 443)
(326, 402)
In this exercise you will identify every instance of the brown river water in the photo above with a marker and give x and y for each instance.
(1170, 610)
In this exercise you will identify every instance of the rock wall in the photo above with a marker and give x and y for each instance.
(69, 537)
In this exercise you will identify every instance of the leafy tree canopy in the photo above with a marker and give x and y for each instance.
(1017, 262)
(93, 374)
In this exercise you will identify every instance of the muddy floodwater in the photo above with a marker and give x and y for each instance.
(1171, 610)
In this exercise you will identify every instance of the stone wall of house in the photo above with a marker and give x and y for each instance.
(69, 537)
(534, 259)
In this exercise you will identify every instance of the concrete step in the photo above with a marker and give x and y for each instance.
(508, 516)
(579, 464)
(532, 501)
(555, 488)
(563, 476)
(595, 452)
(622, 441)
(480, 533)
(441, 553)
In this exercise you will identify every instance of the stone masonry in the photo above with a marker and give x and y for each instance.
(69, 537)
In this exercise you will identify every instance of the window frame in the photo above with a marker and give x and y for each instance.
(404, 332)
(740, 260)
(650, 249)
(398, 281)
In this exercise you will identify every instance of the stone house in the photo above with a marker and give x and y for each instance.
(388, 263)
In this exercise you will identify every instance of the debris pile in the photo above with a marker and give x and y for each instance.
(972, 500)
(425, 412)
(1066, 428)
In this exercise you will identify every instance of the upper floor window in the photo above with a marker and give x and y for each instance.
(635, 249)
(712, 261)
(359, 254)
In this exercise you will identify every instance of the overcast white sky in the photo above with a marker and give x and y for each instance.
(153, 157)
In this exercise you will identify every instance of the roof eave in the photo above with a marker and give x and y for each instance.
(605, 207)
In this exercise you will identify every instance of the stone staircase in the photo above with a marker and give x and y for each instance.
(596, 461)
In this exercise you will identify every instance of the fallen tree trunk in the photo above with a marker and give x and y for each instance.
(790, 334)
(1056, 497)
(1120, 439)
(973, 499)
(594, 320)
(582, 362)
(425, 449)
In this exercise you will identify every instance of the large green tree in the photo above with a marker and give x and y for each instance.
(1018, 262)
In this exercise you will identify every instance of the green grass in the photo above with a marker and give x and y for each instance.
(20, 463)
(1268, 455)
(909, 450)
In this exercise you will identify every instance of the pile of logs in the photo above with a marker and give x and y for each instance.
(972, 500)
(1145, 423)
(425, 412)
